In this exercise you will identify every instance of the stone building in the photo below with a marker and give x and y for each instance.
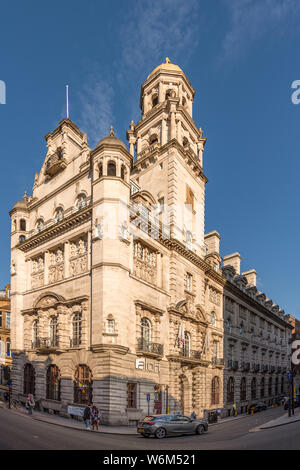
(116, 291)
(256, 341)
(295, 341)
(5, 342)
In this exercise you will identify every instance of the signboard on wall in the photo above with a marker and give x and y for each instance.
(75, 411)
(142, 363)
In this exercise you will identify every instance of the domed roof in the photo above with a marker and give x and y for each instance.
(166, 66)
(112, 139)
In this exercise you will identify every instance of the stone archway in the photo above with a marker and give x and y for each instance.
(184, 395)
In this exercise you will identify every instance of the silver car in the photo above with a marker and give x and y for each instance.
(164, 425)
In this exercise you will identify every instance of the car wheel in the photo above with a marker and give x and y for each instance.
(160, 433)
(200, 429)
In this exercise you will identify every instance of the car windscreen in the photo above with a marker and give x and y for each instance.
(149, 418)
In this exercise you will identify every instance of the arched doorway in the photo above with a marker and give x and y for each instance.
(184, 395)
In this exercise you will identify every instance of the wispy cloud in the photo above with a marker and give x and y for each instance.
(159, 28)
(96, 99)
(250, 20)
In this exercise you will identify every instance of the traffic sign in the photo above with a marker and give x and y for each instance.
(148, 396)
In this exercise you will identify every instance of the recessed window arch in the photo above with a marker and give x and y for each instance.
(253, 388)
(154, 100)
(185, 142)
(230, 390)
(83, 384)
(243, 389)
(29, 379)
(76, 332)
(184, 102)
(111, 168)
(81, 201)
(146, 332)
(23, 225)
(59, 214)
(100, 169)
(153, 139)
(53, 331)
(187, 344)
(215, 391)
(53, 378)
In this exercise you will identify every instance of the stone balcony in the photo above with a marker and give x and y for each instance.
(47, 345)
(55, 163)
(150, 349)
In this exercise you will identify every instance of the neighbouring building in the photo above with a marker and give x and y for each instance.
(5, 342)
(294, 339)
(256, 341)
(111, 318)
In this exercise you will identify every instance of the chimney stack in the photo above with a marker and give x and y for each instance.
(233, 260)
(212, 242)
(251, 277)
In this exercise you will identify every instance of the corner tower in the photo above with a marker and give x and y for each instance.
(169, 152)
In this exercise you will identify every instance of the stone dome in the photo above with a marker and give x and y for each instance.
(166, 66)
(111, 139)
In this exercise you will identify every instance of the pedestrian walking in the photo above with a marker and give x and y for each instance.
(95, 418)
(234, 409)
(30, 403)
(193, 415)
(87, 416)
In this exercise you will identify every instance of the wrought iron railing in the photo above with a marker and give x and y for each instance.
(148, 346)
(74, 342)
(217, 361)
(245, 366)
(45, 342)
(188, 353)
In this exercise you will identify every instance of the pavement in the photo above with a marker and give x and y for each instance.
(281, 421)
(79, 425)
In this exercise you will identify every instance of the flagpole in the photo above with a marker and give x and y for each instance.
(67, 99)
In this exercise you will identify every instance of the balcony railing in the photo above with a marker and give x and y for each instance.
(148, 346)
(234, 365)
(272, 369)
(255, 367)
(264, 368)
(245, 366)
(75, 342)
(45, 343)
(190, 354)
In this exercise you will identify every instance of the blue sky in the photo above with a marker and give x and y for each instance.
(241, 56)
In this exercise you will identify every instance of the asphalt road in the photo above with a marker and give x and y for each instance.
(23, 433)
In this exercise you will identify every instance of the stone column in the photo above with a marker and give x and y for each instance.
(179, 131)
(67, 258)
(173, 126)
(46, 267)
(160, 92)
(163, 132)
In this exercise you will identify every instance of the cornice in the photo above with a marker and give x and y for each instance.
(256, 305)
(117, 348)
(59, 228)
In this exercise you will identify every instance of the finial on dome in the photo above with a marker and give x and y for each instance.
(168, 60)
(25, 196)
(112, 132)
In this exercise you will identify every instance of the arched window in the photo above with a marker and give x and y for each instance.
(276, 386)
(187, 344)
(213, 319)
(168, 94)
(270, 386)
(35, 333)
(23, 225)
(154, 100)
(243, 389)
(123, 172)
(183, 102)
(29, 379)
(83, 385)
(40, 225)
(76, 330)
(145, 330)
(230, 390)
(185, 142)
(262, 388)
(153, 139)
(53, 383)
(253, 388)
(111, 169)
(53, 331)
(8, 347)
(80, 201)
(59, 214)
(100, 170)
(215, 391)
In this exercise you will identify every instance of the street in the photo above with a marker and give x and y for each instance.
(19, 432)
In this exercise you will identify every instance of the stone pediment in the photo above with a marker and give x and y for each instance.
(187, 309)
(48, 300)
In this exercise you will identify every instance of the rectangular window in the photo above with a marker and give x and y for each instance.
(0, 319)
(189, 197)
(161, 205)
(189, 282)
(7, 320)
(110, 326)
(131, 395)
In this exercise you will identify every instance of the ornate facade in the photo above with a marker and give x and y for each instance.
(5, 341)
(116, 290)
